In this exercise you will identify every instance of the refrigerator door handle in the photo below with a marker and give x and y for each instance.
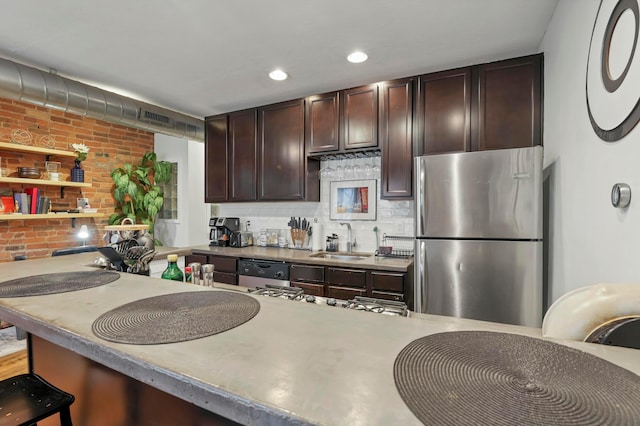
(420, 274)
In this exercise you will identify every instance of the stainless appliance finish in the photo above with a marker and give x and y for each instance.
(222, 227)
(258, 273)
(478, 244)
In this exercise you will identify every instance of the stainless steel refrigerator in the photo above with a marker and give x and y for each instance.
(478, 249)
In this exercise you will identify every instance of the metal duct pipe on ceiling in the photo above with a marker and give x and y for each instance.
(26, 84)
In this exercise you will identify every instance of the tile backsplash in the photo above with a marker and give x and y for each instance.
(392, 217)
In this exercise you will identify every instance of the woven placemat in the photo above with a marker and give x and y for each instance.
(486, 378)
(175, 317)
(61, 282)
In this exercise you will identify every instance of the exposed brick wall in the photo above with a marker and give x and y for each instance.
(110, 146)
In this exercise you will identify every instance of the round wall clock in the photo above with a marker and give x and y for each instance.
(613, 70)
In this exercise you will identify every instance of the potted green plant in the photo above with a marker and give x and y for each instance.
(137, 193)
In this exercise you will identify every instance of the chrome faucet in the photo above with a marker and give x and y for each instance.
(348, 225)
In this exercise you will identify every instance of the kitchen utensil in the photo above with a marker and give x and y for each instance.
(137, 258)
(114, 257)
(123, 246)
(145, 239)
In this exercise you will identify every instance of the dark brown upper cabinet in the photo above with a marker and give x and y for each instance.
(322, 122)
(342, 121)
(360, 117)
(396, 137)
(444, 108)
(243, 155)
(489, 106)
(509, 103)
(216, 155)
(282, 171)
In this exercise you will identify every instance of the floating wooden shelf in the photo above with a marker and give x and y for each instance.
(48, 216)
(25, 181)
(4, 146)
(136, 227)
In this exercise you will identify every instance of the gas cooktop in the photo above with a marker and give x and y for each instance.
(359, 303)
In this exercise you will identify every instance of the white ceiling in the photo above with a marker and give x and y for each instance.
(203, 57)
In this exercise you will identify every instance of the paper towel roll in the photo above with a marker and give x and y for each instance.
(317, 240)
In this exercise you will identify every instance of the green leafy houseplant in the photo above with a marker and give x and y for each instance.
(136, 190)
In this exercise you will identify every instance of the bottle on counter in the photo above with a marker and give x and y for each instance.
(173, 272)
(187, 274)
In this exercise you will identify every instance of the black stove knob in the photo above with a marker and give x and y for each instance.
(331, 301)
(310, 298)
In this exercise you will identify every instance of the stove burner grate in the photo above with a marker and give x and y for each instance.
(370, 304)
(286, 292)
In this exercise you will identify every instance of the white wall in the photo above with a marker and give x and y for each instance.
(591, 242)
(192, 226)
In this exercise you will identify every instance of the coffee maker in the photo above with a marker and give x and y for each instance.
(221, 230)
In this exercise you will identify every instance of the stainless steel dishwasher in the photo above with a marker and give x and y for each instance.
(257, 273)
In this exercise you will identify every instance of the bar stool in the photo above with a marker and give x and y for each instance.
(28, 398)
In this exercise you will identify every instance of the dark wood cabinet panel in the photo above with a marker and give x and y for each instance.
(195, 258)
(360, 117)
(307, 273)
(396, 138)
(282, 156)
(223, 264)
(347, 277)
(322, 122)
(444, 110)
(243, 156)
(224, 267)
(344, 293)
(225, 277)
(309, 288)
(509, 103)
(398, 297)
(387, 281)
(216, 155)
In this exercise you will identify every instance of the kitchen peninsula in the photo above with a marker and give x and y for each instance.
(292, 363)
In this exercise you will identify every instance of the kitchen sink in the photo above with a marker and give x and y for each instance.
(341, 256)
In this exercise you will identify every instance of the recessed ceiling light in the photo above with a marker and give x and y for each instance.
(278, 75)
(357, 57)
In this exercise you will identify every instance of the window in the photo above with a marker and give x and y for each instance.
(170, 207)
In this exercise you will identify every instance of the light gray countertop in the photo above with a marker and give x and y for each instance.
(306, 256)
(293, 363)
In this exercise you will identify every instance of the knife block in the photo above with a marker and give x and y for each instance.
(299, 238)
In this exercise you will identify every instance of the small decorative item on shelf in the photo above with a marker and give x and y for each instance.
(47, 141)
(21, 137)
(81, 150)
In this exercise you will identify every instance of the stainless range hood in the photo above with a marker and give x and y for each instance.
(26, 84)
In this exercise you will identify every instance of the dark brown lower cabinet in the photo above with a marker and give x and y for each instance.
(347, 277)
(309, 288)
(325, 281)
(344, 293)
(346, 283)
(310, 278)
(398, 297)
(224, 268)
